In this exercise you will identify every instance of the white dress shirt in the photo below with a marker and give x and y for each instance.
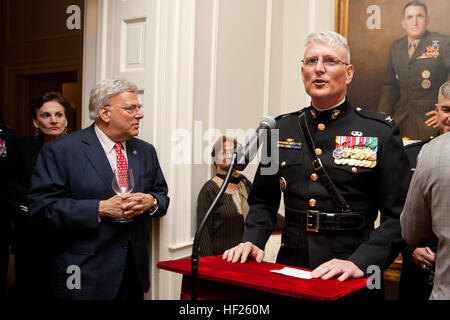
(109, 147)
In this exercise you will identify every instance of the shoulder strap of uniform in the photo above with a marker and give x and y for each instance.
(419, 143)
(319, 169)
(281, 116)
(381, 117)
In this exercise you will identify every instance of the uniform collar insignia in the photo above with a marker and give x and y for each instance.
(331, 114)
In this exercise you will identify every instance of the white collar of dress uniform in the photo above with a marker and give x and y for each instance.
(321, 110)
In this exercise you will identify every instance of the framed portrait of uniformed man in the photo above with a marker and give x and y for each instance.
(401, 53)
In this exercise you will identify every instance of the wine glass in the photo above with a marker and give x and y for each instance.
(123, 185)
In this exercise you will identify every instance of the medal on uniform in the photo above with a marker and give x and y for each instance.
(435, 48)
(432, 51)
(426, 84)
(356, 151)
(426, 74)
(338, 153)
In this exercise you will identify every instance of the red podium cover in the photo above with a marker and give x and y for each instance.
(257, 276)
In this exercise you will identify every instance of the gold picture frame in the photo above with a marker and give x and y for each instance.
(341, 17)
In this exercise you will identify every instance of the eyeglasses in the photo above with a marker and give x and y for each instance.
(132, 110)
(327, 61)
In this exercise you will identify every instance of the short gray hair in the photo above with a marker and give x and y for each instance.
(104, 91)
(331, 39)
(444, 90)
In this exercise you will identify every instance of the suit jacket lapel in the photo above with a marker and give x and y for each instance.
(93, 150)
(133, 162)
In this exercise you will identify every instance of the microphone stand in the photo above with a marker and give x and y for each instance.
(194, 256)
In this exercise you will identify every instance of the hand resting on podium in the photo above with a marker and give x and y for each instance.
(242, 251)
(343, 269)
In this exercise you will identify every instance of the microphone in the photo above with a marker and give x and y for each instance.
(248, 153)
(240, 159)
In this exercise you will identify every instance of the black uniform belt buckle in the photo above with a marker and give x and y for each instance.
(312, 220)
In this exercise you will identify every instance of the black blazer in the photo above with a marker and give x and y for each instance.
(21, 163)
(71, 176)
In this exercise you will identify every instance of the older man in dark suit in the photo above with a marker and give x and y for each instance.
(71, 188)
(418, 65)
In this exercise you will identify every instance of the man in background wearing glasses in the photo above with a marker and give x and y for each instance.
(71, 190)
(418, 64)
(363, 155)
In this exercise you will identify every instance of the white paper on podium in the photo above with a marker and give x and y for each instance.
(296, 273)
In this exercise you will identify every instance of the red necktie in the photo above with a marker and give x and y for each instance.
(122, 167)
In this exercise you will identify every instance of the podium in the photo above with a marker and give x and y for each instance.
(222, 280)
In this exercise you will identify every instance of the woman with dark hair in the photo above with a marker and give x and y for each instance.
(30, 244)
(49, 115)
(226, 226)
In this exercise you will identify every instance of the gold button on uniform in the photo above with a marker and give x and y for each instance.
(354, 169)
(358, 109)
(318, 151)
(312, 202)
(314, 177)
(283, 163)
(321, 126)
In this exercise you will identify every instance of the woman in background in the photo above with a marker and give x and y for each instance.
(226, 226)
(31, 245)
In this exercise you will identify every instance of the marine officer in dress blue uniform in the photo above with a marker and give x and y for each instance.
(363, 156)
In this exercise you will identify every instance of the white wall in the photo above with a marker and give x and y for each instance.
(199, 64)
